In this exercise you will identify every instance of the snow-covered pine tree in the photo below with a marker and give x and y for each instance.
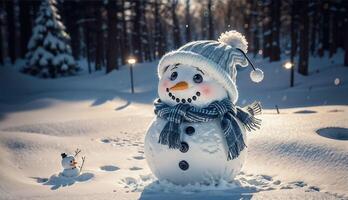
(49, 52)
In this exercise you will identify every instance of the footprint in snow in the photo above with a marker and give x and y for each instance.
(305, 112)
(298, 183)
(105, 141)
(138, 157)
(266, 182)
(135, 168)
(313, 188)
(336, 110)
(269, 178)
(336, 133)
(113, 142)
(109, 168)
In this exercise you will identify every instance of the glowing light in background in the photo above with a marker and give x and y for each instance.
(132, 61)
(337, 81)
(288, 65)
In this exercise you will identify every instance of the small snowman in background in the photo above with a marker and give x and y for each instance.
(69, 164)
(199, 134)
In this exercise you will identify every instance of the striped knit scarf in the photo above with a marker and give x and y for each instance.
(224, 110)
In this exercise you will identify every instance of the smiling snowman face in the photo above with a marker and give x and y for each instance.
(189, 85)
(68, 162)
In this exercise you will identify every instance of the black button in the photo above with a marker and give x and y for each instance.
(183, 100)
(184, 147)
(183, 165)
(190, 130)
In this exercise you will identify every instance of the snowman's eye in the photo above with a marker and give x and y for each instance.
(70, 161)
(173, 76)
(197, 78)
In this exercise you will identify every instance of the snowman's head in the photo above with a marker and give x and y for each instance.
(68, 161)
(182, 83)
(201, 72)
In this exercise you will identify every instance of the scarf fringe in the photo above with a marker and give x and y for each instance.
(254, 109)
(252, 123)
(235, 149)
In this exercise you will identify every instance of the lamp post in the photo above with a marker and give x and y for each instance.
(290, 65)
(131, 62)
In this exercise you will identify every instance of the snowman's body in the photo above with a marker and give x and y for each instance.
(73, 172)
(203, 156)
(69, 164)
(203, 159)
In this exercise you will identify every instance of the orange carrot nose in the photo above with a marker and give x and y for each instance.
(180, 86)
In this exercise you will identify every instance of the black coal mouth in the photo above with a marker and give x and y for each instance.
(183, 100)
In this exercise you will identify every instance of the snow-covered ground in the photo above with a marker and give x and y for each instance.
(301, 153)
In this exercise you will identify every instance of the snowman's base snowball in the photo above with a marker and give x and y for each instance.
(70, 173)
(256, 75)
(204, 161)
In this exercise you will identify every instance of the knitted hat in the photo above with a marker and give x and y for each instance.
(217, 58)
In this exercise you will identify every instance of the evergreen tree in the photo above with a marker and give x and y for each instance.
(49, 52)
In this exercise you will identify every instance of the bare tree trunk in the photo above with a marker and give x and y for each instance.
(100, 37)
(11, 30)
(25, 25)
(334, 20)
(326, 25)
(266, 30)
(176, 27)
(294, 22)
(136, 37)
(203, 25)
(247, 16)
(188, 21)
(124, 43)
(275, 49)
(256, 28)
(340, 25)
(320, 30)
(211, 35)
(345, 25)
(112, 37)
(228, 17)
(303, 59)
(2, 39)
(314, 29)
(146, 49)
(158, 32)
(70, 16)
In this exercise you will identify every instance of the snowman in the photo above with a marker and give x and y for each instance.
(69, 163)
(198, 134)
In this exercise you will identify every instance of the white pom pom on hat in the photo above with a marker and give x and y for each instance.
(256, 75)
(234, 39)
(238, 41)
